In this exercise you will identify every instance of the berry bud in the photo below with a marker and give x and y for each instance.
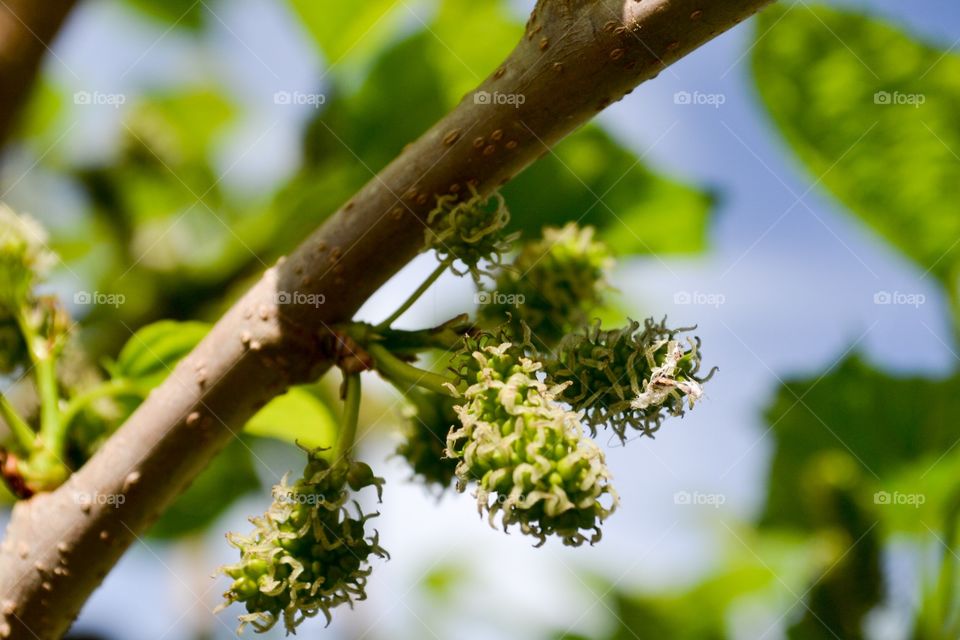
(628, 377)
(531, 461)
(430, 418)
(307, 553)
(553, 286)
(471, 232)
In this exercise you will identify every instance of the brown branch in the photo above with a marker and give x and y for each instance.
(576, 57)
(27, 27)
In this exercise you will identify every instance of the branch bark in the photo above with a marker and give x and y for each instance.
(27, 28)
(576, 57)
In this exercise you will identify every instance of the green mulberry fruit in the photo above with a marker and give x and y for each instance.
(553, 285)
(531, 462)
(307, 553)
(628, 377)
(470, 232)
(430, 416)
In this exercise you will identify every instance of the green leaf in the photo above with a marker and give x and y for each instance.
(152, 352)
(884, 423)
(229, 476)
(871, 111)
(349, 32)
(299, 417)
(592, 179)
(186, 14)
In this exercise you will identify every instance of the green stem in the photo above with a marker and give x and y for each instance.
(351, 416)
(18, 426)
(51, 434)
(401, 373)
(51, 429)
(415, 295)
(110, 388)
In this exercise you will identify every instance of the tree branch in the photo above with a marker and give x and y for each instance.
(576, 57)
(27, 28)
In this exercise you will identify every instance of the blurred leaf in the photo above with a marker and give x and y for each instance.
(229, 476)
(297, 416)
(832, 81)
(883, 422)
(183, 124)
(349, 32)
(186, 14)
(594, 180)
(152, 352)
(400, 99)
(469, 39)
(768, 569)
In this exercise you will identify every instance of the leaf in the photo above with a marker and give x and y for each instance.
(186, 14)
(152, 352)
(871, 111)
(884, 423)
(348, 32)
(229, 476)
(592, 179)
(299, 417)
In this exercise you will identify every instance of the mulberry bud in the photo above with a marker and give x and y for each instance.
(553, 286)
(307, 553)
(471, 232)
(430, 418)
(23, 257)
(628, 377)
(532, 463)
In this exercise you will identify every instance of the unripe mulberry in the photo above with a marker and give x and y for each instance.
(307, 553)
(470, 233)
(532, 464)
(553, 285)
(628, 377)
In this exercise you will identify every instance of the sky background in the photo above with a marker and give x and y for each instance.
(795, 273)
